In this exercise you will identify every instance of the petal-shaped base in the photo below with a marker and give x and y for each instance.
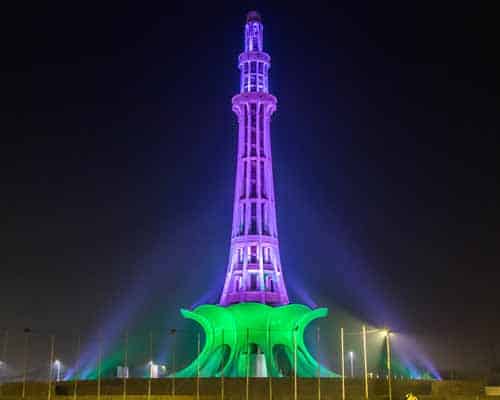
(254, 337)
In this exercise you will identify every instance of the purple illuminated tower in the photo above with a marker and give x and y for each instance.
(253, 323)
(254, 272)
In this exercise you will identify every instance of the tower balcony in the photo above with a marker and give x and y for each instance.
(257, 296)
(253, 97)
(251, 239)
(253, 56)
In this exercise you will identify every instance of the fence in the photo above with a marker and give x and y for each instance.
(76, 365)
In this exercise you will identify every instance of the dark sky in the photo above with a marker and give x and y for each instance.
(118, 160)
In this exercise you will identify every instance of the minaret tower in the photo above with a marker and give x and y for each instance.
(254, 272)
(254, 317)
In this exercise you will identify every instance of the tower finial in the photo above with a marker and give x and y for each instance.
(254, 36)
(254, 16)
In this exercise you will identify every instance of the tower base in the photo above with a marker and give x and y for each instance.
(254, 339)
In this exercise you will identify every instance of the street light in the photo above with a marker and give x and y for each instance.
(342, 361)
(389, 371)
(351, 362)
(365, 361)
(57, 365)
(387, 333)
(173, 332)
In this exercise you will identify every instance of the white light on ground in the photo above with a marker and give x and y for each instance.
(153, 369)
(57, 365)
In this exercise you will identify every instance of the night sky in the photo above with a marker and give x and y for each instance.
(118, 162)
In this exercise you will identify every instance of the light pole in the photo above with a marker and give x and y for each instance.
(295, 394)
(152, 365)
(173, 332)
(51, 366)
(269, 372)
(198, 345)
(99, 366)
(389, 373)
(342, 363)
(125, 367)
(247, 369)
(365, 361)
(319, 365)
(223, 365)
(27, 333)
(3, 360)
(1, 373)
(351, 362)
(77, 366)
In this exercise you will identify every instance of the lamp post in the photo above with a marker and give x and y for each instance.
(269, 372)
(319, 365)
(99, 366)
(222, 368)
(342, 363)
(198, 345)
(389, 373)
(27, 333)
(173, 332)
(1, 378)
(52, 364)
(3, 360)
(365, 361)
(247, 369)
(125, 367)
(152, 365)
(77, 374)
(295, 394)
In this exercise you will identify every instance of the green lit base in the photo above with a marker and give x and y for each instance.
(253, 339)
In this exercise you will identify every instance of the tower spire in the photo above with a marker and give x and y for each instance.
(254, 271)
(254, 32)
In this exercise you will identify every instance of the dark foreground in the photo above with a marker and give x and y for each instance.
(236, 389)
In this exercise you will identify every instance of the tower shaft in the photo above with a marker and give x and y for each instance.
(254, 271)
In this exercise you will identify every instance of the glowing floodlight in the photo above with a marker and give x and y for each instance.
(57, 366)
